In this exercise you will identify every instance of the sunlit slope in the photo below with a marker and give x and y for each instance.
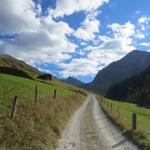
(36, 124)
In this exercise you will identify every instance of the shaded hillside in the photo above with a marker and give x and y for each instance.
(73, 81)
(45, 77)
(133, 63)
(15, 72)
(7, 61)
(135, 89)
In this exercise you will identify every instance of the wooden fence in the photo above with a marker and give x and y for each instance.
(36, 98)
(109, 107)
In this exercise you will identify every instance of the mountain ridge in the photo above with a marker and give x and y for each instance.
(11, 65)
(135, 89)
(133, 63)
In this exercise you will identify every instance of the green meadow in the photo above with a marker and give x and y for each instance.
(37, 125)
(121, 113)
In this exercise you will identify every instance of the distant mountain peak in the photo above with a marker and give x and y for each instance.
(71, 77)
(137, 52)
(73, 81)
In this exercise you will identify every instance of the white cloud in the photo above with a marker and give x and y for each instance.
(112, 48)
(39, 47)
(79, 67)
(17, 16)
(143, 20)
(88, 28)
(41, 39)
(142, 28)
(60, 28)
(145, 44)
(115, 46)
(67, 7)
(38, 40)
(126, 30)
(44, 40)
(139, 34)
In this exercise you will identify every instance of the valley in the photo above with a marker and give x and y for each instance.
(58, 114)
(74, 75)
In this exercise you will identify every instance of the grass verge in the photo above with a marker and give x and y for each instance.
(121, 114)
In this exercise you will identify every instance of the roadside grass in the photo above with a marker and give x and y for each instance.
(121, 114)
(37, 126)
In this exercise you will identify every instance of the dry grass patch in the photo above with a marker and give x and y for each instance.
(37, 126)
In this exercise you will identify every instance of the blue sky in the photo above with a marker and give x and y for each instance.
(71, 38)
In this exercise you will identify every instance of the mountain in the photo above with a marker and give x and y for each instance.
(133, 63)
(73, 81)
(11, 65)
(135, 89)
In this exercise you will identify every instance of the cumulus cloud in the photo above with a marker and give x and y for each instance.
(79, 67)
(112, 48)
(39, 47)
(145, 44)
(126, 30)
(139, 34)
(143, 23)
(143, 20)
(44, 39)
(17, 16)
(88, 28)
(37, 40)
(67, 7)
(41, 39)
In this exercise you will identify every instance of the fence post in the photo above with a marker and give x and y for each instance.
(104, 102)
(36, 93)
(134, 126)
(107, 105)
(54, 96)
(118, 112)
(14, 107)
(111, 107)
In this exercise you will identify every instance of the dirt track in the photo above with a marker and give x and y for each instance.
(90, 129)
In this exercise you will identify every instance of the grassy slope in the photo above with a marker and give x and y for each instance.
(36, 125)
(142, 135)
(11, 62)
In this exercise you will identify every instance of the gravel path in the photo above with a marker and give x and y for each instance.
(90, 129)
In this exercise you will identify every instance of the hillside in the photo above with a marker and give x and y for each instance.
(73, 81)
(37, 124)
(133, 63)
(40, 118)
(11, 65)
(135, 89)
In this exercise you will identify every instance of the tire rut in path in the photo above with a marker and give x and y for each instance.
(89, 130)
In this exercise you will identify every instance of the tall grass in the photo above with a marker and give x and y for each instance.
(37, 126)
